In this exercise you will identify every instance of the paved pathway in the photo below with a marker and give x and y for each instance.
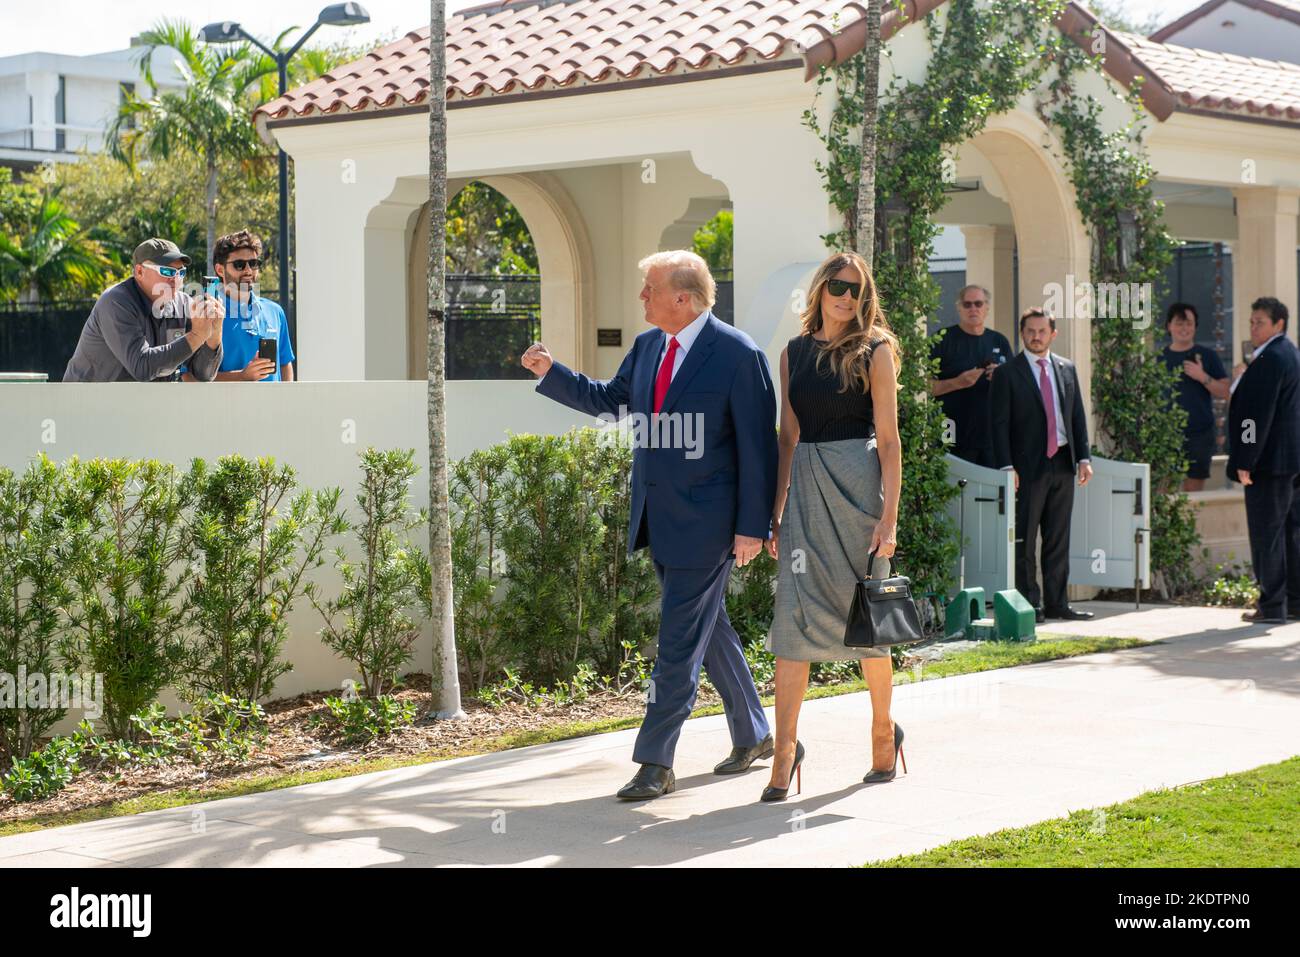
(985, 752)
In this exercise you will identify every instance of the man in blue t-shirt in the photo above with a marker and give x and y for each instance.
(1203, 380)
(237, 259)
(968, 352)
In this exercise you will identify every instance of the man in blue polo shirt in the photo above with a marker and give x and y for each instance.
(237, 259)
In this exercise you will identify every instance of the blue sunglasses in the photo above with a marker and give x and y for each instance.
(168, 272)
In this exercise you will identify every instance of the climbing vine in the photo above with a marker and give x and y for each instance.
(984, 58)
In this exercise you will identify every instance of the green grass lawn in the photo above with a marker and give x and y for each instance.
(1251, 819)
(982, 658)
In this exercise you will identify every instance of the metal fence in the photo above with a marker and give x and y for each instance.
(491, 320)
(40, 338)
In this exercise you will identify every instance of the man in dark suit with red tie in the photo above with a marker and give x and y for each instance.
(1040, 431)
(700, 507)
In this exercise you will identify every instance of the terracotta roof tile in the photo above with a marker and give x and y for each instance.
(517, 46)
(521, 45)
(1224, 82)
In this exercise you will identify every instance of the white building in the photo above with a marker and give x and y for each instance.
(1267, 29)
(53, 105)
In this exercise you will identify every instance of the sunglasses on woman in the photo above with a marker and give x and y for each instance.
(168, 272)
(838, 287)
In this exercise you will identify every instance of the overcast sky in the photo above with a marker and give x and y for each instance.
(94, 26)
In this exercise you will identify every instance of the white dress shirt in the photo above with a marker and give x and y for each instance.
(1062, 437)
(685, 339)
(1253, 356)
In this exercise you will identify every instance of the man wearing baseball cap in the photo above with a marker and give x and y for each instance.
(144, 328)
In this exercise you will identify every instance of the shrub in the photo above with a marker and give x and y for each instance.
(219, 727)
(1231, 586)
(45, 772)
(625, 586)
(364, 719)
(478, 519)
(572, 594)
(130, 609)
(254, 559)
(551, 546)
(370, 622)
(39, 537)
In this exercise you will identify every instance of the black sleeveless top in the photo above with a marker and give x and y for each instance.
(825, 413)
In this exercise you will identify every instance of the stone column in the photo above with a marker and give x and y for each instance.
(1264, 255)
(990, 251)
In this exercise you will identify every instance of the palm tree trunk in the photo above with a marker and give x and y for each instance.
(212, 206)
(866, 218)
(446, 680)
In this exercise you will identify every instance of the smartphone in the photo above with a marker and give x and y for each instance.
(1247, 347)
(212, 286)
(266, 349)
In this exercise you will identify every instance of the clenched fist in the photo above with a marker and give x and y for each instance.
(537, 360)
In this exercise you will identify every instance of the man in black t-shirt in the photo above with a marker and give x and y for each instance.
(968, 353)
(1203, 380)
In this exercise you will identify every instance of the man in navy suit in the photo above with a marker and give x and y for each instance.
(700, 501)
(1264, 455)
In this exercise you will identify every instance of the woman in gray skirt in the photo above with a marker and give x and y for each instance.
(837, 485)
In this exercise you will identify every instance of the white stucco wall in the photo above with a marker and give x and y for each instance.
(317, 427)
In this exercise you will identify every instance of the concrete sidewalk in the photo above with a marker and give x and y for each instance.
(985, 752)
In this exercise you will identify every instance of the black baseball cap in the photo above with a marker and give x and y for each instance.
(164, 252)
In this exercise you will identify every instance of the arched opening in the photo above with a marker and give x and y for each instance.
(509, 282)
(1041, 249)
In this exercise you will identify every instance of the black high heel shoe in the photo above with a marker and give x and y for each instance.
(796, 775)
(880, 777)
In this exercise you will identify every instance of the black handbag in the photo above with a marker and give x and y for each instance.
(883, 612)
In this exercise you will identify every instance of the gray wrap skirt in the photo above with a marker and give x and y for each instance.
(836, 497)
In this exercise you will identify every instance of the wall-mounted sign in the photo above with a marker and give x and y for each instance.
(609, 337)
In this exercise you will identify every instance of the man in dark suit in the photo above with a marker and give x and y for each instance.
(1040, 431)
(700, 506)
(1264, 455)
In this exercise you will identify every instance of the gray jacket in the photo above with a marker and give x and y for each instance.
(124, 340)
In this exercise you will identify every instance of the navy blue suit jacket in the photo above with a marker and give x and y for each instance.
(693, 506)
(1269, 396)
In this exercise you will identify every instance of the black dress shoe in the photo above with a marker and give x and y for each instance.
(650, 782)
(1071, 614)
(1039, 617)
(741, 758)
(1260, 618)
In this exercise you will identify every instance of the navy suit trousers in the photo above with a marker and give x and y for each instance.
(1273, 522)
(695, 632)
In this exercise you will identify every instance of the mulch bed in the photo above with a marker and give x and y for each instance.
(296, 744)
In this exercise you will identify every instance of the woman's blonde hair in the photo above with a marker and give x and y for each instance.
(849, 353)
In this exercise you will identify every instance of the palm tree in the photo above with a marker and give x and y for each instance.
(446, 679)
(211, 116)
(866, 221)
(49, 254)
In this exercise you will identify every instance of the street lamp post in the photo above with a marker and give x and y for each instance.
(335, 15)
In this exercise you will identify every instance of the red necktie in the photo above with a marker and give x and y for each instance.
(1049, 406)
(665, 377)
